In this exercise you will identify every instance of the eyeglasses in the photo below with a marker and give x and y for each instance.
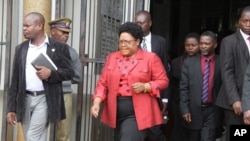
(125, 42)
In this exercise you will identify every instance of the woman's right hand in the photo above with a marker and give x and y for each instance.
(94, 110)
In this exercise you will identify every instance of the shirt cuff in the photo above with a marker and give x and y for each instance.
(164, 100)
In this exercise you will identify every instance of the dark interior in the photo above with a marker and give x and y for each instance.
(173, 19)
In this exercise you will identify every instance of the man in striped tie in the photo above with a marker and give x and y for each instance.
(144, 45)
(157, 44)
(199, 84)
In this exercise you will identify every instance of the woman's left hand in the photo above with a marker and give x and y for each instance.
(138, 87)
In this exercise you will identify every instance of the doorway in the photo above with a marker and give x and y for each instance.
(173, 19)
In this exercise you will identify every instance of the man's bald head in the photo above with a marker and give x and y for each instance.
(38, 17)
(143, 18)
(145, 13)
(33, 25)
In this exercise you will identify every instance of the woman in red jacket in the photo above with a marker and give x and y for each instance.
(129, 87)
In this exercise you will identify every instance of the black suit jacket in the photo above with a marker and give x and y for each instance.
(176, 65)
(59, 54)
(191, 89)
(159, 47)
(234, 58)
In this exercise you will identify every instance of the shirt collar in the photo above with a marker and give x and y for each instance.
(148, 37)
(245, 36)
(46, 41)
(211, 57)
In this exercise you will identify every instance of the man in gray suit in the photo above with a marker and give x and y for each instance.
(246, 97)
(234, 58)
(200, 113)
(246, 91)
(35, 95)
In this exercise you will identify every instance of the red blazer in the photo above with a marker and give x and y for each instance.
(147, 68)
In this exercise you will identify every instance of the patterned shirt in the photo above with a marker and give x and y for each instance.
(125, 66)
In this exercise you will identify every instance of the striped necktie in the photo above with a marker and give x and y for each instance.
(144, 46)
(205, 82)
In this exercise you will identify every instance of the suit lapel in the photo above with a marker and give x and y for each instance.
(50, 48)
(197, 64)
(153, 43)
(24, 52)
(243, 45)
(217, 78)
(216, 69)
(139, 56)
(135, 61)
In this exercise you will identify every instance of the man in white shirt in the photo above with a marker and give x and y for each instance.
(35, 95)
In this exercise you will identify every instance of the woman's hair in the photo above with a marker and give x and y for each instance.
(132, 28)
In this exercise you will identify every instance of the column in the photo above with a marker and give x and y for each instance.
(41, 6)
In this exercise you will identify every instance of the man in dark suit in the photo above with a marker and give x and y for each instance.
(199, 85)
(234, 58)
(246, 97)
(191, 48)
(157, 44)
(154, 43)
(35, 95)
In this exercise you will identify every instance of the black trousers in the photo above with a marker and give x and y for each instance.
(231, 119)
(207, 131)
(127, 128)
(155, 134)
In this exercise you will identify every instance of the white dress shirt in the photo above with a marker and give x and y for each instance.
(148, 42)
(33, 82)
(245, 36)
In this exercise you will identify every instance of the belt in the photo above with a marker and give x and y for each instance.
(124, 97)
(35, 93)
(204, 105)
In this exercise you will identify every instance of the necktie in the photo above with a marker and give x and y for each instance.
(144, 46)
(205, 82)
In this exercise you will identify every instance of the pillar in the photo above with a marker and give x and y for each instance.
(43, 7)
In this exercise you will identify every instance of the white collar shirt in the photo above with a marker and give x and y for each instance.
(33, 82)
(245, 36)
(148, 42)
